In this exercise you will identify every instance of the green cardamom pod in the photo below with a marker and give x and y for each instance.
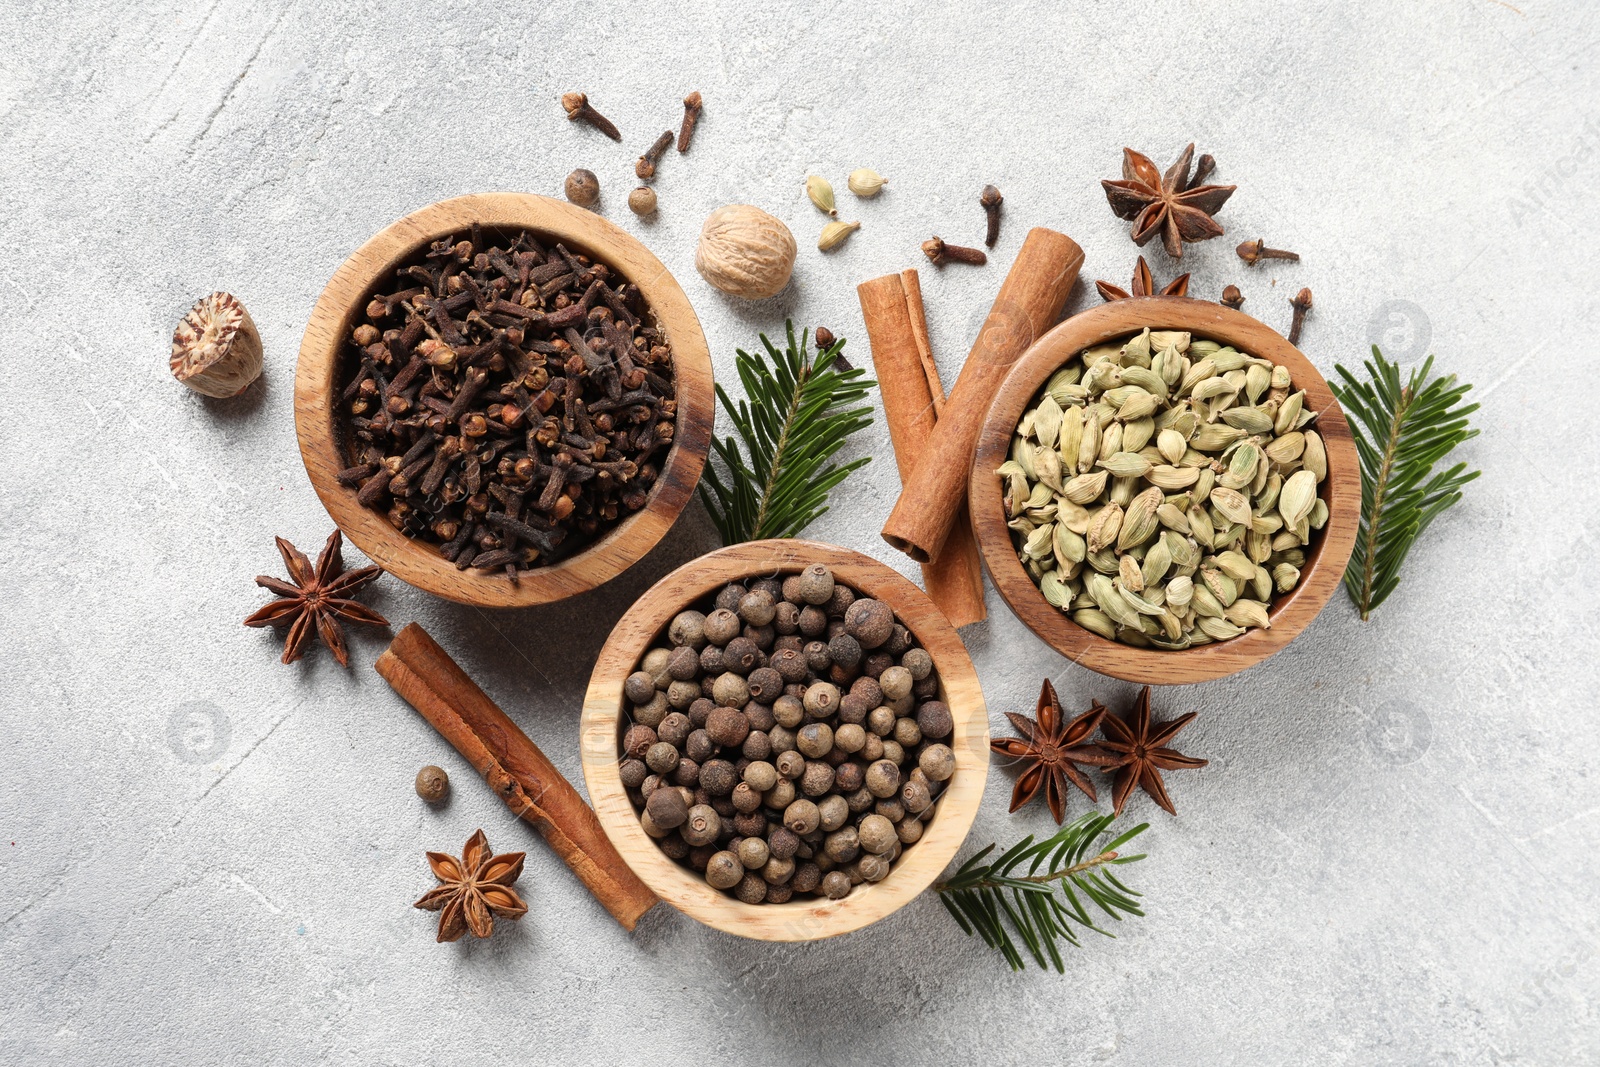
(1139, 523)
(1284, 577)
(1047, 421)
(1126, 465)
(1104, 527)
(1297, 497)
(1250, 420)
(1289, 414)
(1070, 547)
(1241, 467)
(1315, 457)
(1218, 629)
(1167, 477)
(1157, 562)
(1231, 505)
(1096, 621)
(821, 194)
(1085, 488)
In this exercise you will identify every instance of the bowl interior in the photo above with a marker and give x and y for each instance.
(1326, 556)
(604, 721)
(321, 371)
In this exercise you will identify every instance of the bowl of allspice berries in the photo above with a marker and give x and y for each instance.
(503, 399)
(1165, 490)
(785, 740)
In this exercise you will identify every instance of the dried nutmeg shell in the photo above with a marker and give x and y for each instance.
(216, 349)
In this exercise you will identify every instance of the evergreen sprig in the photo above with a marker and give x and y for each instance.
(1401, 433)
(797, 417)
(1017, 892)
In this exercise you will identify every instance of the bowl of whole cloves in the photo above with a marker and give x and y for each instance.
(503, 399)
(785, 740)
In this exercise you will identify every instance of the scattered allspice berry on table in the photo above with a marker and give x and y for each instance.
(432, 784)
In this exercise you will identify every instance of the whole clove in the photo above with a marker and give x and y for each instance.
(691, 116)
(940, 252)
(578, 110)
(1301, 304)
(646, 167)
(507, 402)
(991, 201)
(1232, 297)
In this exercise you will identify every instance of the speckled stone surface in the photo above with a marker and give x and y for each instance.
(206, 856)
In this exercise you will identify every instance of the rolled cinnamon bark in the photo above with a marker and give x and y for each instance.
(520, 775)
(1029, 303)
(913, 399)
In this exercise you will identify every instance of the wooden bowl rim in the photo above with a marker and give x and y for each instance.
(1326, 556)
(419, 563)
(797, 920)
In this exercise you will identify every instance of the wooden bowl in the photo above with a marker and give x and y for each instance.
(798, 920)
(1326, 556)
(317, 423)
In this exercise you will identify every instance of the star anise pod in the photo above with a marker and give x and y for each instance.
(474, 889)
(1166, 202)
(1050, 750)
(1144, 285)
(315, 600)
(1140, 754)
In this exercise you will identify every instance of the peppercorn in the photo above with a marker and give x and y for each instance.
(788, 711)
(801, 816)
(814, 739)
(822, 700)
(681, 694)
(817, 779)
(836, 885)
(675, 729)
(765, 684)
(661, 757)
(758, 607)
(760, 716)
(890, 808)
(918, 662)
(832, 813)
(786, 617)
(935, 720)
(780, 796)
(724, 870)
(640, 687)
(915, 796)
(875, 664)
(637, 741)
(655, 663)
(633, 772)
(727, 726)
(869, 621)
(880, 721)
(937, 762)
(907, 733)
(432, 784)
(667, 808)
(895, 683)
(730, 691)
(873, 868)
(813, 621)
(717, 777)
(702, 825)
(698, 746)
(882, 779)
(687, 628)
(753, 853)
(815, 584)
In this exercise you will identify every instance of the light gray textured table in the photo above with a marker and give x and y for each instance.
(206, 856)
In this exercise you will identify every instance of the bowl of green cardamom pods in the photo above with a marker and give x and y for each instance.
(1165, 490)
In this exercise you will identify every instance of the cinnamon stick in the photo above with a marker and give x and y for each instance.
(1029, 303)
(521, 775)
(913, 399)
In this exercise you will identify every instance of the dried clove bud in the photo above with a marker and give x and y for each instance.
(691, 116)
(646, 167)
(1232, 297)
(1253, 252)
(577, 106)
(991, 200)
(939, 252)
(1301, 304)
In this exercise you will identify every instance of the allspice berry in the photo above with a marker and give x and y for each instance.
(702, 825)
(640, 687)
(883, 778)
(583, 188)
(727, 726)
(642, 201)
(935, 719)
(432, 784)
(667, 808)
(753, 853)
(836, 885)
(937, 762)
(801, 817)
(816, 584)
(876, 834)
(869, 621)
(721, 626)
(752, 888)
(724, 871)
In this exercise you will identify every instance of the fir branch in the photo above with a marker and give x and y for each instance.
(1401, 433)
(775, 476)
(992, 901)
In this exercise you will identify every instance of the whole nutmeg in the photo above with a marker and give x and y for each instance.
(745, 252)
(216, 350)
(583, 188)
(642, 201)
(432, 784)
